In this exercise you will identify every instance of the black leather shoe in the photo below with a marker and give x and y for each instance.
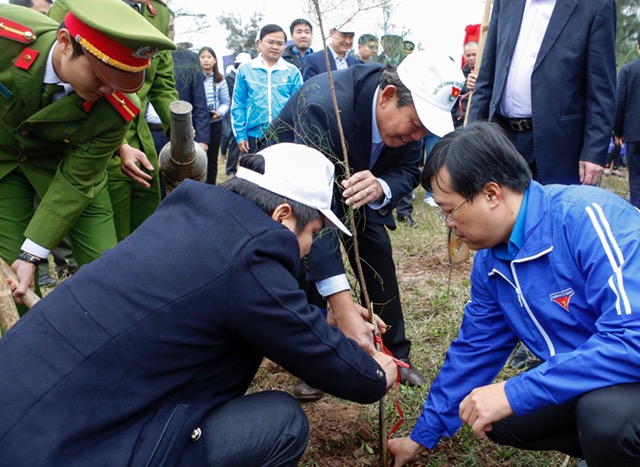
(523, 359)
(409, 221)
(411, 376)
(304, 392)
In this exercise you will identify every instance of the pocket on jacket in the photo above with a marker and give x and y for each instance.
(164, 437)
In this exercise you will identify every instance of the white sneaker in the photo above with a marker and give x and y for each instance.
(428, 200)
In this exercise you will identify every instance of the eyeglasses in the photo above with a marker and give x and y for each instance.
(445, 217)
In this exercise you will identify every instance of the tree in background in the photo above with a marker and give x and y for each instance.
(628, 30)
(241, 37)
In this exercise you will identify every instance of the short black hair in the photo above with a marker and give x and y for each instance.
(389, 75)
(474, 156)
(270, 29)
(295, 22)
(366, 38)
(266, 200)
(638, 38)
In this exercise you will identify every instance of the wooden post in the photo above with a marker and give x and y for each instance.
(8, 311)
(483, 37)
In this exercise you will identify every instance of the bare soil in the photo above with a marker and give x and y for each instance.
(340, 436)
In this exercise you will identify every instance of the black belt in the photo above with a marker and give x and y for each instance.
(515, 124)
(155, 126)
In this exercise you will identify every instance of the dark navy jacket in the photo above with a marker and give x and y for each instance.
(119, 364)
(308, 118)
(315, 64)
(627, 122)
(190, 86)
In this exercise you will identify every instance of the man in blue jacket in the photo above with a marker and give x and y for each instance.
(557, 268)
(143, 357)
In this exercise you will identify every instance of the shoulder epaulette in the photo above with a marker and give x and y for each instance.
(16, 31)
(26, 58)
(151, 9)
(123, 105)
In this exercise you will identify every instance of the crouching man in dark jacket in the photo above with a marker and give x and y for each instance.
(143, 357)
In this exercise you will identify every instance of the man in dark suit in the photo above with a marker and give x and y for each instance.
(339, 58)
(627, 122)
(385, 112)
(548, 77)
(143, 357)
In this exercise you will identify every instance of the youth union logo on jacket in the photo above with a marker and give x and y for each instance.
(562, 298)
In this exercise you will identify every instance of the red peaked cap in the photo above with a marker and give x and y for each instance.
(114, 63)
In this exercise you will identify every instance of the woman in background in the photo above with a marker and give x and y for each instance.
(218, 103)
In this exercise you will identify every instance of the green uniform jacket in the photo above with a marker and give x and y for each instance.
(61, 149)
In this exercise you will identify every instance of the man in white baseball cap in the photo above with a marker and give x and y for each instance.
(310, 184)
(385, 112)
(160, 337)
(434, 81)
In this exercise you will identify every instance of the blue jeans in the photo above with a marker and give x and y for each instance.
(262, 429)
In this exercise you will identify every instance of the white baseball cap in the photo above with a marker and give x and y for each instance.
(299, 173)
(435, 82)
(242, 57)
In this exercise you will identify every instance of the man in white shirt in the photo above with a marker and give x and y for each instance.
(548, 78)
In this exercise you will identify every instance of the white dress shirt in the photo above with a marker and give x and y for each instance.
(516, 98)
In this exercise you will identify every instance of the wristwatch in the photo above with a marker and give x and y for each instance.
(29, 258)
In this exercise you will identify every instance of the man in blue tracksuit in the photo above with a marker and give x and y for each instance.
(556, 269)
(263, 86)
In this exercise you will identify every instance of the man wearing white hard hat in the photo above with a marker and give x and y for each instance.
(385, 112)
(143, 357)
(339, 58)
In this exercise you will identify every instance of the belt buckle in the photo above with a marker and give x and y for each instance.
(521, 124)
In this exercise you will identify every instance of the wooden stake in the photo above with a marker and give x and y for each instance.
(8, 311)
(30, 298)
(382, 423)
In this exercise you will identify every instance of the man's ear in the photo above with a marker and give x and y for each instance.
(64, 41)
(282, 212)
(493, 193)
(388, 95)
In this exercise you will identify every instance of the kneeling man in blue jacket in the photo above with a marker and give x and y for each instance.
(143, 357)
(558, 267)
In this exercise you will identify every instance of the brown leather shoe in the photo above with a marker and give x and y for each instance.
(411, 376)
(304, 392)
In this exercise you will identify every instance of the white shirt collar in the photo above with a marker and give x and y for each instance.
(50, 75)
(376, 137)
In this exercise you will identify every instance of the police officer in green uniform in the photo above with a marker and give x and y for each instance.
(135, 192)
(63, 113)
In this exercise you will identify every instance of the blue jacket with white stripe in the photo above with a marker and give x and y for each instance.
(572, 295)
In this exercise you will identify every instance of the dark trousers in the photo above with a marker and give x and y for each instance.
(380, 277)
(266, 428)
(613, 158)
(602, 426)
(633, 162)
(212, 152)
(405, 207)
